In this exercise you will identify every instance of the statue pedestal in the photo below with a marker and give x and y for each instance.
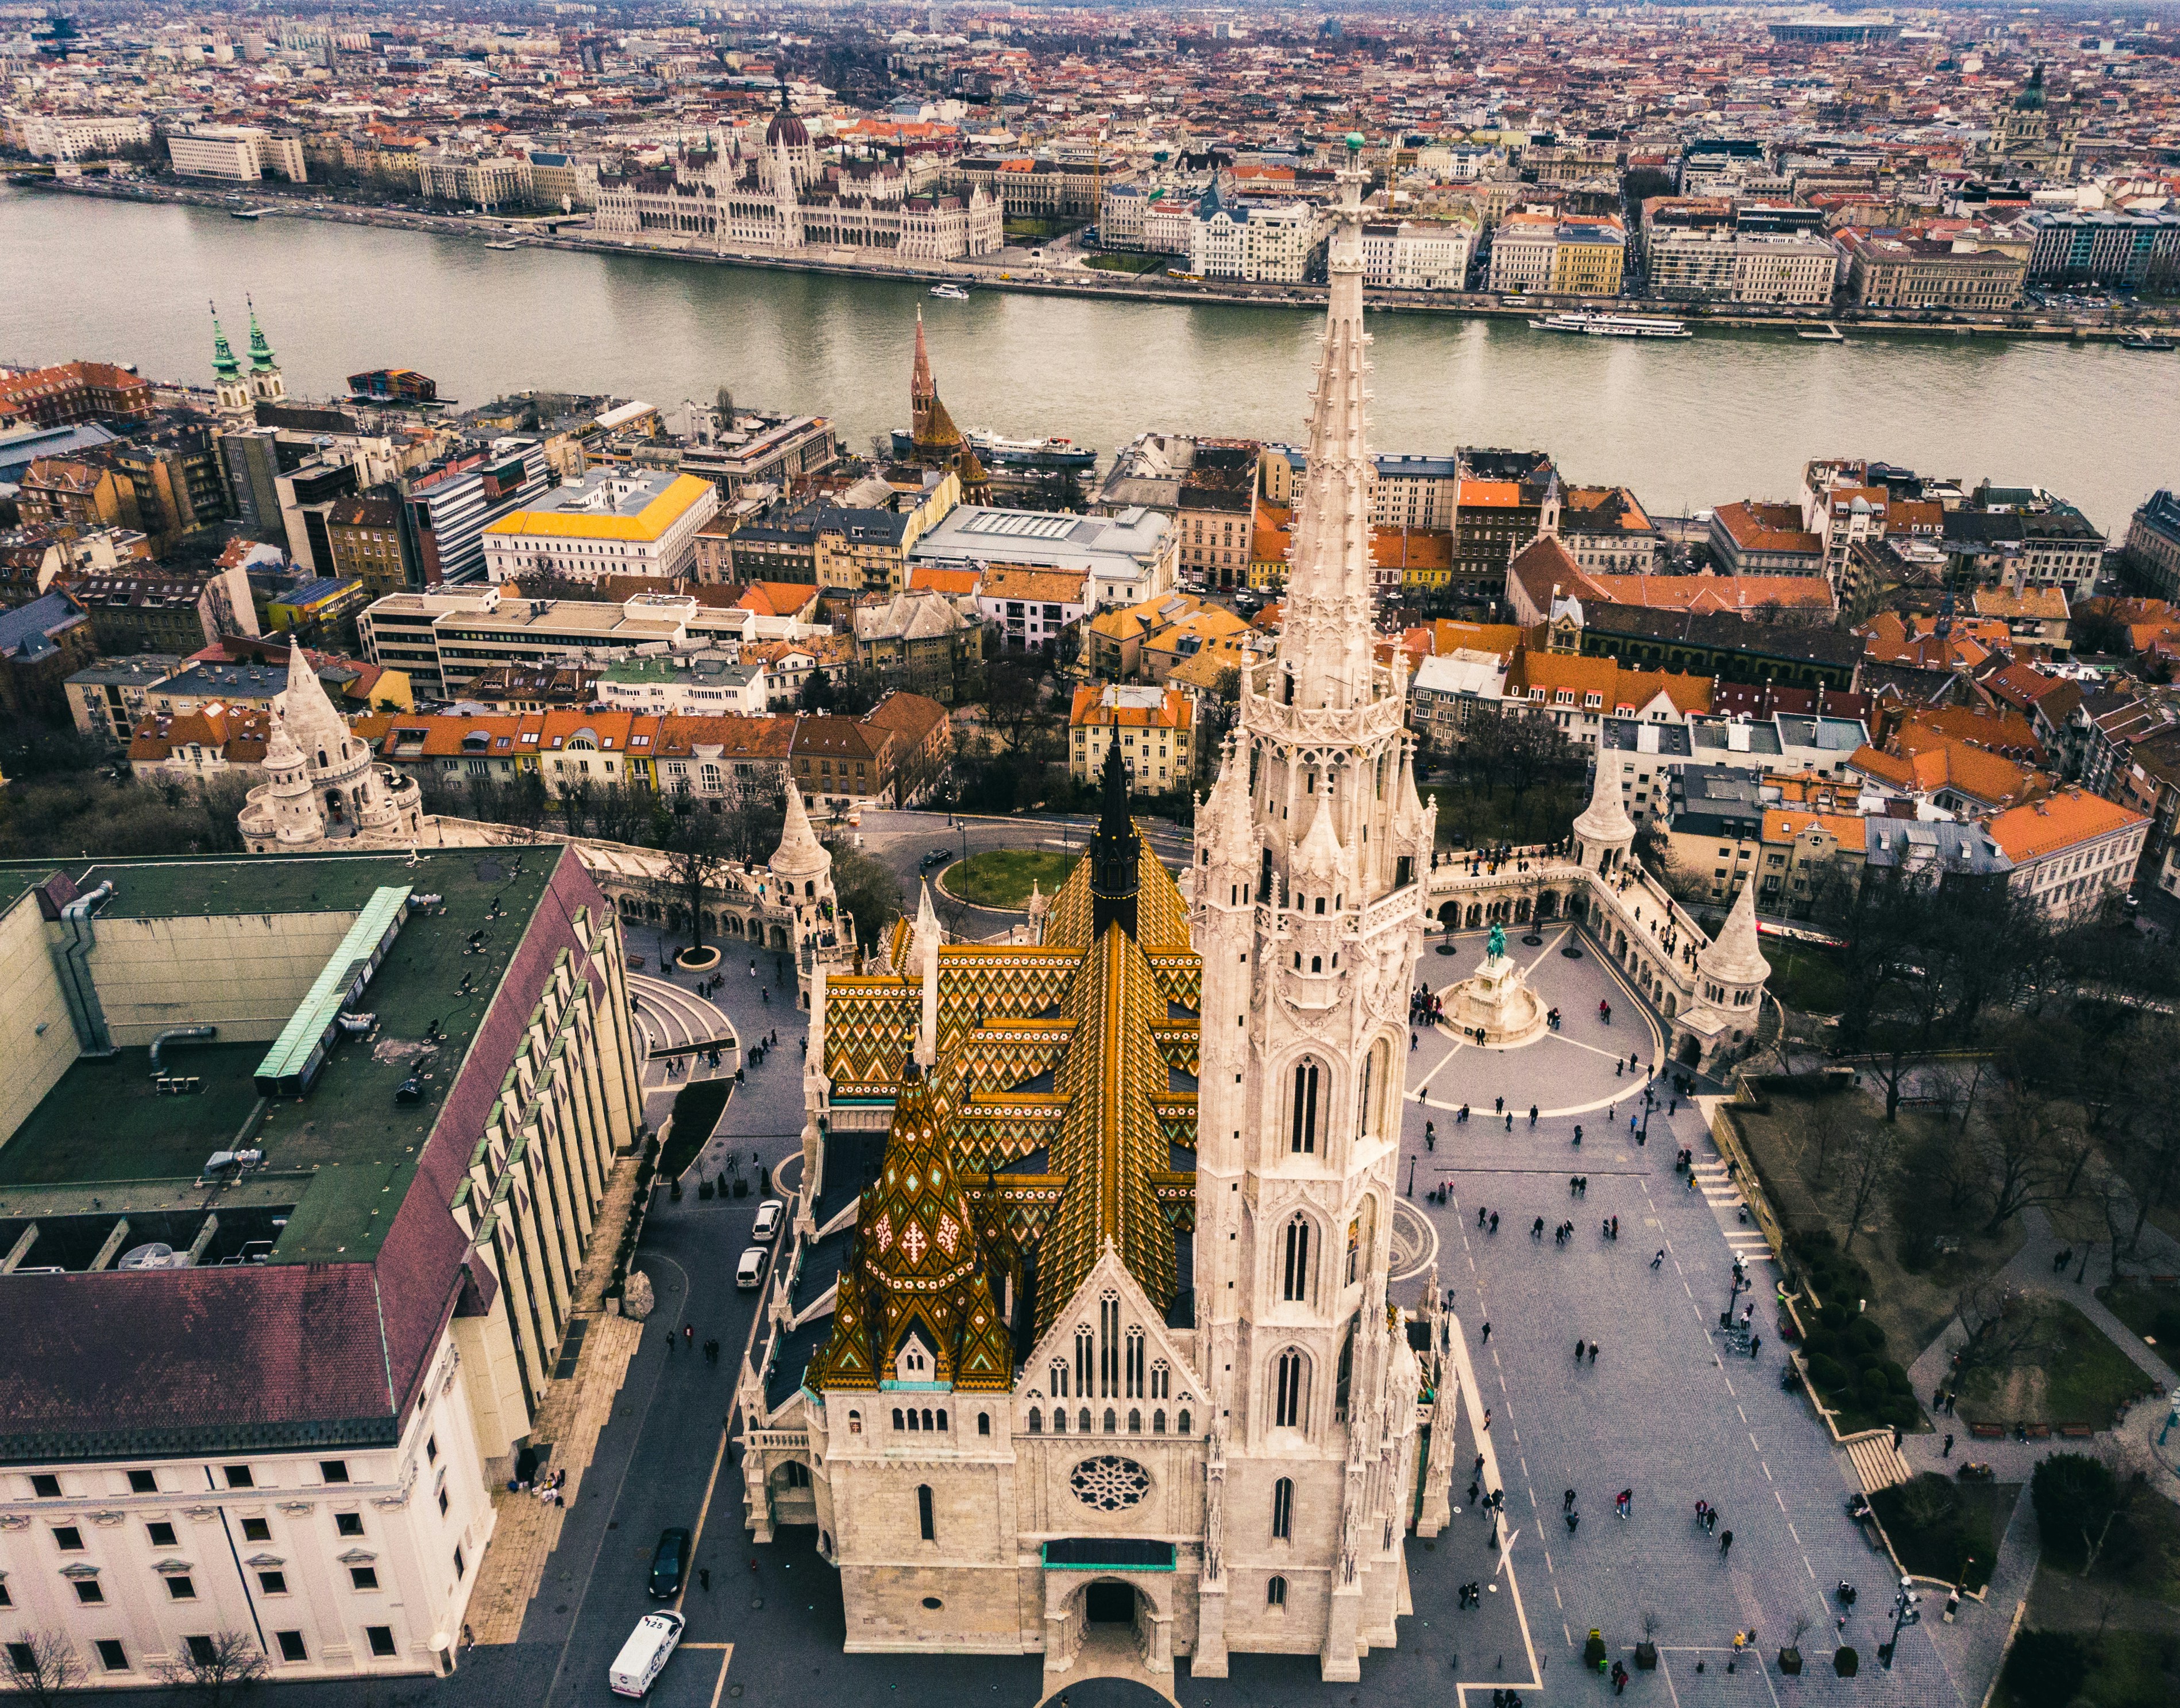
(1496, 997)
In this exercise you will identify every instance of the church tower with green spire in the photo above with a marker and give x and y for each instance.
(231, 393)
(266, 384)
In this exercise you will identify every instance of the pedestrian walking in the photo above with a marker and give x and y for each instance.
(1948, 1452)
(1659, 1258)
(1573, 1519)
(688, 1334)
(704, 1578)
(1536, 1228)
(1593, 1354)
(1755, 1345)
(1625, 1502)
(1510, 1121)
(1495, 1228)
(1487, 1342)
(1577, 1135)
(1498, 1105)
(1566, 1502)
(1724, 1543)
(1481, 1213)
(1533, 1115)
(1578, 1348)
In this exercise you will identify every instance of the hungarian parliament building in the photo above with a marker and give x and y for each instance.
(781, 197)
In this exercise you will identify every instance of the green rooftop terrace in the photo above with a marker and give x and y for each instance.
(346, 1152)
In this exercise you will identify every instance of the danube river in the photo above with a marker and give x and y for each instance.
(1689, 423)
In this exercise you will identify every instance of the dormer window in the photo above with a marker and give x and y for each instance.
(913, 1363)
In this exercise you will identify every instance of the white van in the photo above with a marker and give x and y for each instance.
(643, 1657)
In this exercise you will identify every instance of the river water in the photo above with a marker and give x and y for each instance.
(1686, 423)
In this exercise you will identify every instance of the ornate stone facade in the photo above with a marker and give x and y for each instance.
(323, 787)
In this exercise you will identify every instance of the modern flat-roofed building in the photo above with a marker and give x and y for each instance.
(1130, 556)
(612, 522)
(284, 1295)
(2152, 562)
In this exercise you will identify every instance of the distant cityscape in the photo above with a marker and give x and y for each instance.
(2002, 170)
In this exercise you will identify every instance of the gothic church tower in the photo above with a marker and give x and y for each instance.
(1312, 855)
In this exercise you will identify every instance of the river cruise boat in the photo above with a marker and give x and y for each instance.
(1613, 325)
(2145, 341)
(949, 293)
(1030, 453)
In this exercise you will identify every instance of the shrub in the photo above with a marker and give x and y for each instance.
(1872, 1386)
(1867, 1335)
(2046, 1666)
(1829, 1373)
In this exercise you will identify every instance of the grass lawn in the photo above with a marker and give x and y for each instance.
(1937, 1523)
(2152, 1312)
(2086, 1382)
(1001, 877)
(696, 1112)
(1130, 262)
(1806, 976)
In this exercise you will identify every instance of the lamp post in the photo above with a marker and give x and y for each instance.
(1905, 1612)
(1649, 1103)
(1411, 1176)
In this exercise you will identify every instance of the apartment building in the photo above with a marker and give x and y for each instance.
(611, 522)
(1416, 255)
(1894, 269)
(1151, 726)
(1256, 241)
(2072, 851)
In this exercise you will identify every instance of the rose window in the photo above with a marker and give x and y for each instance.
(1110, 1484)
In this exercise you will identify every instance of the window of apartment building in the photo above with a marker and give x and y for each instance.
(88, 1593)
(111, 1654)
(461, 1565)
(292, 1647)
(68, 1539)
(381, 1638)
(273, 1583)
(46, 1488)
(366, 1576)
(143, 1483)
(180, 1589)
(238, 1477)
(256, 1530)
(162, 1534)
(348, 1524)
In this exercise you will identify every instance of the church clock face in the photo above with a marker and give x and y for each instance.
(1110, 1484)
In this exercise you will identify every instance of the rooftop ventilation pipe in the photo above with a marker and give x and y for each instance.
(179, 1034)
(79, 936)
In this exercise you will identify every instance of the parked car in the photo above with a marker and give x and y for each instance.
(669, 1564)
(749, 1271)
(769, 1216)
(643, 1657)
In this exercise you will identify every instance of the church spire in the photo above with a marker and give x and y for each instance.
(260, 352)
(1325, 646)
(224, 363)
(1115, 854)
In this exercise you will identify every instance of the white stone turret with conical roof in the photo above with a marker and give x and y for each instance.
(351, 799)
(1603, 833)
(1734, 960)
(923, 964)
(803, 904)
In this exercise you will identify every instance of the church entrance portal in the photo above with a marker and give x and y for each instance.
(1110, 1602)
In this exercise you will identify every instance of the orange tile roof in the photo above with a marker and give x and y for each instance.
(1173, 712)
(953, 583)
(1491, 494)
(1782, 824)
(2059, 822)
(1714, 592)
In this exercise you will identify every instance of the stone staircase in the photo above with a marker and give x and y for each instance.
(1876, 1461)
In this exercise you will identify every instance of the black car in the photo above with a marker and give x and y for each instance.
(938, 856)
(669, 1565)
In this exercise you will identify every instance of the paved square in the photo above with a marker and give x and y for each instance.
(1660, 1410)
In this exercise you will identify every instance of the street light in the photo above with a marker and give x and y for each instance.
(1905, 1612)
(1411, 1176)
(1649, 1103)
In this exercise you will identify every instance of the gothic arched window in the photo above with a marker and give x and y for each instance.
(1301, 1135)
(1283, 1510)
(1294, 1269)
(1290, 1391)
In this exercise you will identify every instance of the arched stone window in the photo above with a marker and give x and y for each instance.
(1275, 1593)
(1282, 1510)
(1302, 1134)
(1036, 1422)
(1291, 1390)
(1294, 1262)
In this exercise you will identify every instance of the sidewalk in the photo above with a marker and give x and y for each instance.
(2031, 1271)
(575, 1409)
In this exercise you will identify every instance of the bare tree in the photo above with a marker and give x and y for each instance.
(2028, 1157)
(2005, 1330)
(1827, 1122)
(42, 1666)
(696, 859)
(1870, 1154)
(217, 1670)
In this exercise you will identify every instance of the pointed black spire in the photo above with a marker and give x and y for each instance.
(1115, 852)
